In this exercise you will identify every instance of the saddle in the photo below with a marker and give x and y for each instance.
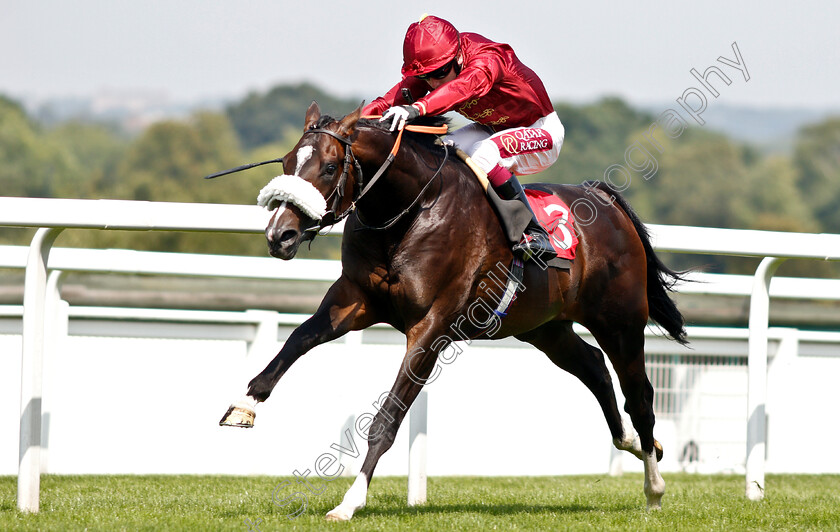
(552, 212)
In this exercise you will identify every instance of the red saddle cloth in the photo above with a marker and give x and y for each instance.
(556, 217)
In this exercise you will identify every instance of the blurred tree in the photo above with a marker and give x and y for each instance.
(700, 181)
(779, 205)
(96, 150)
(705, 179)
(776, 203)
(277, 115)
(596, 137)
(817, 158)
(32, 165)
(167, 163)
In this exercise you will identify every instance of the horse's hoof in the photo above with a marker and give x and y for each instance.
(654, 491)
(338, 515)
(658, 448)
(236, 416)
(655, 506)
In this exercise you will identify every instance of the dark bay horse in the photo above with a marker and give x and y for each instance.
(418, 253)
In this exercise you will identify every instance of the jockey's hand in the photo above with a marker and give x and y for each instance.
(399, 115)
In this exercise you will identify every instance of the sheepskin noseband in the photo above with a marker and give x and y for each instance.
(295, 190)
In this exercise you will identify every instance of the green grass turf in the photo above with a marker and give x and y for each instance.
(692, 502)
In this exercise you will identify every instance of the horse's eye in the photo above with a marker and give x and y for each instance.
(331, 168)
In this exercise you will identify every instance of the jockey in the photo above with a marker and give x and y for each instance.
(515, 129)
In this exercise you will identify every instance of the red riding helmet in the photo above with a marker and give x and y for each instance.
(429, 45)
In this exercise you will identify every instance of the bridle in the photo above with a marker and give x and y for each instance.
(330, 218)
(337, 194)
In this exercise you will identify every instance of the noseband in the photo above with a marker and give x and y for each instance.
(330, 218)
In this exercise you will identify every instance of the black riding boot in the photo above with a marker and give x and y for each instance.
(535, 240)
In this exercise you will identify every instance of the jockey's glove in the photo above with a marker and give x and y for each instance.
(399, 115)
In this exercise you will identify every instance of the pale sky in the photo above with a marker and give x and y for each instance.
(641, 51)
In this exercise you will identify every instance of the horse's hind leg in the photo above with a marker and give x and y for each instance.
(586, 362)
(569, 352)
(623, 341)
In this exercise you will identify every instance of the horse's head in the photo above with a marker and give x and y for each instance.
(320, 187)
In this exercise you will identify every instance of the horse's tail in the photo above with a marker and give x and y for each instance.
(660, 278)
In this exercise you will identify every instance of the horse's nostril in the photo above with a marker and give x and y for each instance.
(289, 234)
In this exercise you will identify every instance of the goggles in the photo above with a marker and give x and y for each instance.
(440, 73)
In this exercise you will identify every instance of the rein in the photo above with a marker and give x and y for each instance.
(330, 218)
(390, 223)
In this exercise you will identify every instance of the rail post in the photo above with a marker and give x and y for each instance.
(757, 377)
(417, 450)
(31, 369)
(56, 323)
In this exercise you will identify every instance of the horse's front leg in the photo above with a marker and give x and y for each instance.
(417, 365)
(345, 308)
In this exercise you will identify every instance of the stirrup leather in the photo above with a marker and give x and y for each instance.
(535, 240)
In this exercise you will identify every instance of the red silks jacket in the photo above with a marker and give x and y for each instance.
(494, 88)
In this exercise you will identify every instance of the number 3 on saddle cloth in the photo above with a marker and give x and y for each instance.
(556, 217)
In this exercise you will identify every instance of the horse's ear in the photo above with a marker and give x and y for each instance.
(349, 122)
(312, 115)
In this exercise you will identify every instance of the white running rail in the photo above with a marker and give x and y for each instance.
(51, 216)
